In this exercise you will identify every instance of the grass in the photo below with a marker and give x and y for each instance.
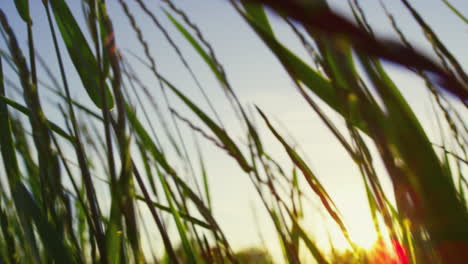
(52, 208)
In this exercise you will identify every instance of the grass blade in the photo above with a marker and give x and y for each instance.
(23, 9)
(53, 241)
(228, 143)
(312, 180)
(80, 53)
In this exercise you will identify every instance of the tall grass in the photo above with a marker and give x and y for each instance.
(59, 175)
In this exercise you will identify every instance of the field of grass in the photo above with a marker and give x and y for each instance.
(74, 191)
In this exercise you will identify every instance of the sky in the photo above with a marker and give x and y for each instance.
(258, 79)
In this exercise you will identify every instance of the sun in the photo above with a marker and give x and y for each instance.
(361, 230)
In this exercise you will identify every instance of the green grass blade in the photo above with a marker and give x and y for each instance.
(285, 245)
(206, 184)
(54, 127)
(228, 143)
(312, 180)
(52, 240)
(79, 105)
(455, 11)
(318, 18)
(428, 184)
(257, 13)
(6, 139)
(9, 239)
(146, 140)
(146, 163)
(23, 9)
(198, 48)
(190, 254)
(159, 157)
(311, 245)
(80, 53)
(303, 73)
(183, 215)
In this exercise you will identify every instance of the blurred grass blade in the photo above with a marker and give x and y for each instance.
(325, 20)
(27, 112)
(52, 240)
(455, 11)
(23, 9)
(8, 238)
(426, 181)
(301, 72)
(6, 138)
(10, 163)
(285, 245)
(257, 14)
(314, 250)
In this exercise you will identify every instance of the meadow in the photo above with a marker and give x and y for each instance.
(105, 159)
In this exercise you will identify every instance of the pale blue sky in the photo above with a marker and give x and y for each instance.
(258, 78)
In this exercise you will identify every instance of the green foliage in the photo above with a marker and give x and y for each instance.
(62, 176)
